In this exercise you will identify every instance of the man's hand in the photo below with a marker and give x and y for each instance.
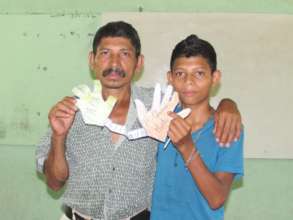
(156, 121)
(61, 116)
(227, 122)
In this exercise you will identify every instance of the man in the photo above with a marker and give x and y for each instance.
(108, 176)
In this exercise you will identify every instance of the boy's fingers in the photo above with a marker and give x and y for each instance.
(172, 114)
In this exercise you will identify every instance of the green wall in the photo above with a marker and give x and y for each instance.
(44, 46)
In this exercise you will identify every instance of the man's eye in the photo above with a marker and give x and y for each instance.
(104, 52)
(125, 54)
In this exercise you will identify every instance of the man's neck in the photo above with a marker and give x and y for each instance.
(120, 110)
(121, 94)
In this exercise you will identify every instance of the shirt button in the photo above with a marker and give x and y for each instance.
(113, 168)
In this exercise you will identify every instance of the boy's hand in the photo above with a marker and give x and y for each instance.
(180, 132)
(227, 122)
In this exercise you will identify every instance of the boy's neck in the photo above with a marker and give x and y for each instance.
(199, 115)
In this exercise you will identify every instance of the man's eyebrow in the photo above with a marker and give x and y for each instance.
(103, 48)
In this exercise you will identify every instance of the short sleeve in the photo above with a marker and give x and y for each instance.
(230, 159)
(42, 150)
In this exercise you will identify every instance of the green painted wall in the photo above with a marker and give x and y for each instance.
(44, 46)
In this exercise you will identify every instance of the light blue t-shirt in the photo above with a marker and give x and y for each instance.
(176, 195)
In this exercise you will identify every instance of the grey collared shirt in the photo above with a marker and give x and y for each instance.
(107, 181)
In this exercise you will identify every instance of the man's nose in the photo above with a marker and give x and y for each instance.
(115, 60)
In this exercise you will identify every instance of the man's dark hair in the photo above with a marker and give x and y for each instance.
(194, 46)
(118, 29)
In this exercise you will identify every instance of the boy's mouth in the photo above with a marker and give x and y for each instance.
(188, 93)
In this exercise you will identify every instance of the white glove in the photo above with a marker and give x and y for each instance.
(94, 109)
(156, 121)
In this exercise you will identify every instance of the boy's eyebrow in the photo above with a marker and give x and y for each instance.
(195, 68)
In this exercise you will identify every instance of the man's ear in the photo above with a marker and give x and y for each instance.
(91, 58)
(139, 64)
(216, 77)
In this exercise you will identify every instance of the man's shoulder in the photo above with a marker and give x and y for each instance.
(145, 94)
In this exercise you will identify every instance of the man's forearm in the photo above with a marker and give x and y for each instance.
(56, 167)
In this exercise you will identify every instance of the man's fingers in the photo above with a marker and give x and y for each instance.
(232, 134)
(225, 132)
(66, 106)
(219, 127)
(238, 130)
(62, 114)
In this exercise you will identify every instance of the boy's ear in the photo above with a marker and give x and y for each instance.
(169, 77)
(216, 77)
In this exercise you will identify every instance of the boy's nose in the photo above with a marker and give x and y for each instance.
(189, 80)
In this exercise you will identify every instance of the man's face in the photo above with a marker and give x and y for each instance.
(192, 78)
(115, 62)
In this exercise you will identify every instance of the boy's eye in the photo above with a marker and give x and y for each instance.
(199, 74)
(179, 74)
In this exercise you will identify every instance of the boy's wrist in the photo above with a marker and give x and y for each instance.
(185, 150)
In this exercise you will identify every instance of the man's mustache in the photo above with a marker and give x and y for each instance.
(118, 71)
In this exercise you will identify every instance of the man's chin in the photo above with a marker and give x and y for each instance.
(113, 84)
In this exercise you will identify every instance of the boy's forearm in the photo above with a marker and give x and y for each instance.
(213, 189)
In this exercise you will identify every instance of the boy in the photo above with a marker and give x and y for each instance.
(194, 174)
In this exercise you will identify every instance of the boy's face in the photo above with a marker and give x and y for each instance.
(115, 62)
(193, 79)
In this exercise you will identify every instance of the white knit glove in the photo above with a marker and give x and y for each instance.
(94, 109)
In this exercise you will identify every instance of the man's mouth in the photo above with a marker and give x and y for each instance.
(114, 73)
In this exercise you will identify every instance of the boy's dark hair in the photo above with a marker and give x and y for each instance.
(118, 29)
(194, 46)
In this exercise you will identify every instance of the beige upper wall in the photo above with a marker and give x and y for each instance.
(255, 54)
